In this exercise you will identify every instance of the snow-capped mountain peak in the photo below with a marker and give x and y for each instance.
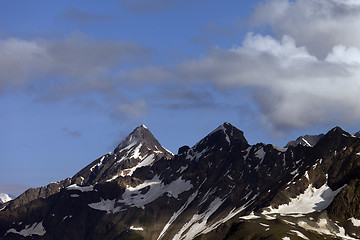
(141, 134)
(140, 148)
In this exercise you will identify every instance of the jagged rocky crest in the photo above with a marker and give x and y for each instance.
(221, 188)
(137, 150)
(307, 141)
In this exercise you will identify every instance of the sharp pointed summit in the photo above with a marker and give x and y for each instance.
(139, 149)
(225, 134)
(140, 135)
(335, 136)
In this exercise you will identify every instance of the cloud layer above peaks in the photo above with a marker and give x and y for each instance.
(292, 87)
(299, 62)
(304, 71)
(317, 24)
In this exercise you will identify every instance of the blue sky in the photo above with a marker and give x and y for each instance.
(76, 77)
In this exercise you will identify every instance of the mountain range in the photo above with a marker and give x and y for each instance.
(220, 188)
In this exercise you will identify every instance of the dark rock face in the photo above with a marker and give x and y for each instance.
(183, 149)
(141, 191)
(357, 134)
(35, 193)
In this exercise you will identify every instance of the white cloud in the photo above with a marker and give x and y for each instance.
(135, 109)
(83, 63)
(19, 59)
(306, 74)
(261, 60)
(318, 24)
(342, 55)
(292, 87)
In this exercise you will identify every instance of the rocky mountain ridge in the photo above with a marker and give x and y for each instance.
(139, 149)
(310, 140)
(221, 188)
(307, 141)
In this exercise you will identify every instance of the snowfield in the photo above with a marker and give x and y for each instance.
(313, 199)
(29, 230)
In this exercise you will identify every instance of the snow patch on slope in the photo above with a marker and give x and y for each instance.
(323, 227)
(300, 234)
(5, 198)
(136, 228)
(260, 153)
(105, 205)
(313, 199)
(306, 142)
(98, 165)
(197, 224)
(80, 188)
(134, 198)
(250, 216)
(147, 161)
(29, 230)
(176, 214)
(355, 222)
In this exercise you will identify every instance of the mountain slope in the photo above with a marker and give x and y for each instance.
(138, 149)
(221, 188)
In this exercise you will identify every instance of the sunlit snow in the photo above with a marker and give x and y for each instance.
(98, 165)
(136, 228)
(299, 234)
(313, 199)
(105, 205)
(323, 226)
(306, 142)
(80, 188)
(176, 214)
(4, 198)
(134, 198)
(197, 224)
(147, 161)
(355, 222)
(250, 216)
